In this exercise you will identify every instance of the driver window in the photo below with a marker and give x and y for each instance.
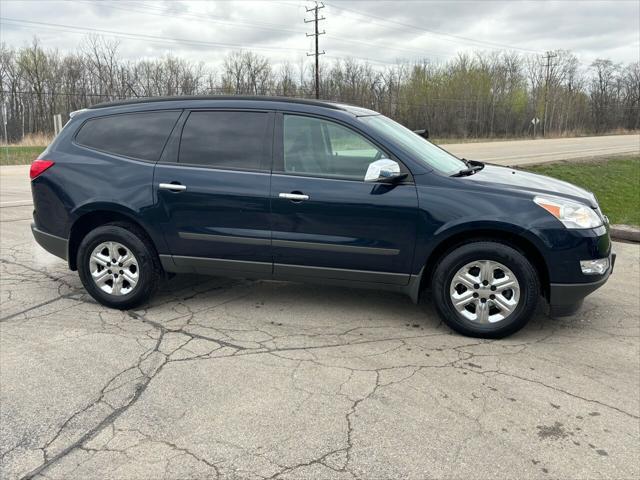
(319, 147)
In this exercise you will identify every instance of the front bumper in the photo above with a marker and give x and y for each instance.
(566, 298)
(58, 246)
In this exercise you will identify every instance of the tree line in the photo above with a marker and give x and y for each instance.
(470, 96)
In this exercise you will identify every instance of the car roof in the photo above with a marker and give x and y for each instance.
(171, 101)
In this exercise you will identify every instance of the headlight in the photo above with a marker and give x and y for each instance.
(571, 214)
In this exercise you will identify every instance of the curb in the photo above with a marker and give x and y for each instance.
(625, 232)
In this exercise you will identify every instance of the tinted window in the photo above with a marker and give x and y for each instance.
(320, 147)
(226, 140)
(137, 135)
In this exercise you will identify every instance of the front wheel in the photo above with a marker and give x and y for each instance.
(485, 289)
(118, 266)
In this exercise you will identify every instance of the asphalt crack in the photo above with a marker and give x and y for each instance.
(108, 420)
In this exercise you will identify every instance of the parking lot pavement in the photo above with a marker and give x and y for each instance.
(251, 379)
(15, 189)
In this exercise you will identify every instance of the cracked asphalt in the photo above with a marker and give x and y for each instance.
(222, 378)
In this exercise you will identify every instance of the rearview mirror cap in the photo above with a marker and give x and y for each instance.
(383, 170)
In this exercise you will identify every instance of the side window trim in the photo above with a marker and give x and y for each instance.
(278, 157)
(267, 161)
(172, 147)
(76, 143)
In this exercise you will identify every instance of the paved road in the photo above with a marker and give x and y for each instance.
(223, 378)
(525, 152)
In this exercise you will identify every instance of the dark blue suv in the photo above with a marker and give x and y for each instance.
(301, 190)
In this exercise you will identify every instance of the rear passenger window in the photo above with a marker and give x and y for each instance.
(236, 140)
(136, 135)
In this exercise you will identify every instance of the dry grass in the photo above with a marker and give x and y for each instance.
(33, 140)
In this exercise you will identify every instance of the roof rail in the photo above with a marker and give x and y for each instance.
(134, 101)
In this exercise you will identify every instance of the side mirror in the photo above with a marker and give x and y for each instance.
(424, 133)
(383, 170)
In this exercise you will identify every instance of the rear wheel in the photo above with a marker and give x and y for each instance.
(118, 265)
(485, 289)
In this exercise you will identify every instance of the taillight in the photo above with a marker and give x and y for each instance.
(39, 166)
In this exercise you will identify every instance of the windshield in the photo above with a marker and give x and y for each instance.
(421, 149)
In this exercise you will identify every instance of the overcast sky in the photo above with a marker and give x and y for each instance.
(379, 31)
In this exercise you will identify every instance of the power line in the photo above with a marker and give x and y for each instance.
(222, 91)
(271, 26)
(264, 26)
(54, 94)
(160, 12)
(451, 37)
(150, 38)
(29, 24)
(421, 53)
(316, 34)
(173, 12)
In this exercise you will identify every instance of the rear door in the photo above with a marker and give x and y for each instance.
(213, 194)
(328, 222)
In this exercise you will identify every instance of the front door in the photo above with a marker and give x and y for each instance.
(326, 221)
(214, 197)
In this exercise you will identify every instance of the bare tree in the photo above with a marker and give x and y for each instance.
(472, 95)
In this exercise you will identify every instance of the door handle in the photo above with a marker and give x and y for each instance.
(174, 187)
(296, 197)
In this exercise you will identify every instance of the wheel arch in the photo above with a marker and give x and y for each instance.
(90, 217)
(519, 241)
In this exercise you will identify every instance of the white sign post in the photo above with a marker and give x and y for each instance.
(57, 123)
(535, 121)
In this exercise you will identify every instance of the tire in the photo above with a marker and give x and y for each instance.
(505, 309)
(139, 275)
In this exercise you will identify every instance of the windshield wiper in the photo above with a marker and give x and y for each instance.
(473, 166)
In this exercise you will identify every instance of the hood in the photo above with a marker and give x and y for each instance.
(510, 179)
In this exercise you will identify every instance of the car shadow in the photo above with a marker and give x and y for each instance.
(318, 300)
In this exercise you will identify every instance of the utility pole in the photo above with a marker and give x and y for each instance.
(317, 54)
(548, 65)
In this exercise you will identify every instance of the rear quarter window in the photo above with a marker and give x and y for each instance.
(135, 135)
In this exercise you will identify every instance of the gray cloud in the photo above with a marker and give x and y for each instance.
(388, 30)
